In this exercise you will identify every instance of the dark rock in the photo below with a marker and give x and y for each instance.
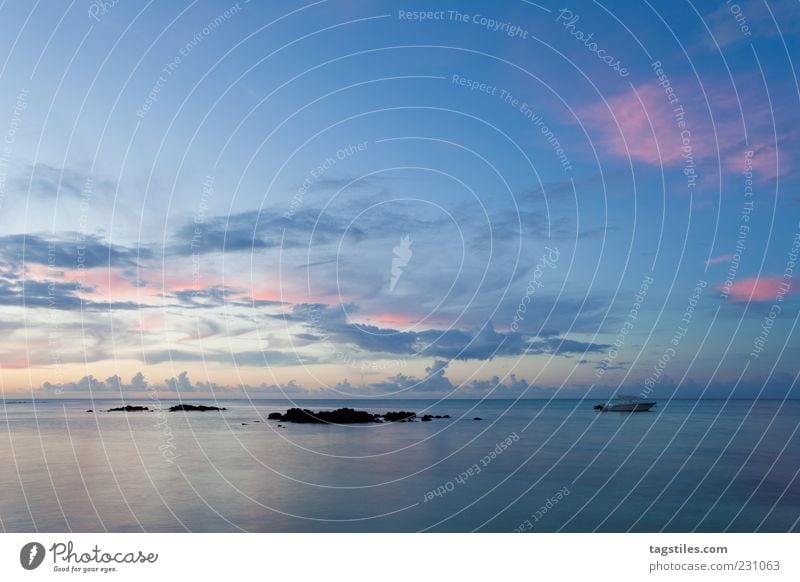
(244, 424)
(339, 416)
(446, 416)
(90, 410)
(345, 416)
(477, 418)
(129, 408)
(437, 416)
(400, 415)
(191, 407)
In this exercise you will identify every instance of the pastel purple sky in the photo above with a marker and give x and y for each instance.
(213, 197)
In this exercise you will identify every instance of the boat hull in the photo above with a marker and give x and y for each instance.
(629, 407)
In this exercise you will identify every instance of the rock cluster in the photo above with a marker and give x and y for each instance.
(346, 416)
(190, 407)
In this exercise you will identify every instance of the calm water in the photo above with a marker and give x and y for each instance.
(705, 466)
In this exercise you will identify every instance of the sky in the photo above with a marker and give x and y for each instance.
(399, 199)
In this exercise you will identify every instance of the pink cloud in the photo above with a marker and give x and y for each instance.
(103, 284)
(755, 289)
(641, 124)
(720, 259)
(767, 161)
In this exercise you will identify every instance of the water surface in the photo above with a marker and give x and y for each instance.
(685, 466)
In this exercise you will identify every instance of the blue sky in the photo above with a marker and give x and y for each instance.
(213, 197)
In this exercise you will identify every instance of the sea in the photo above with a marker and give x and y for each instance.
(525, 466)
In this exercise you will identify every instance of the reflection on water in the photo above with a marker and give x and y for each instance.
(708, 466)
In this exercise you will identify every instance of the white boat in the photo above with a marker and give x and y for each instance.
(626, 404)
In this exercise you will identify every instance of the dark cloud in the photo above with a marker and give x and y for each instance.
(316, 264)
(181, 383)
(254, 358)
(55, 295)
(214, 295)
(725, 27)
(259, 230)
(68, 251)
(778, 386)
(436, 381)
(51, 182)
(219, 295)
(91, 384)
(337, 183)
(482, 344)
(597, 232)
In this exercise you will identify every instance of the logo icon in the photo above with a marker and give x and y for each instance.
(402, 254)
(32, 555)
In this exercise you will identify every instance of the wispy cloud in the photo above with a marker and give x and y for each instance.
(726, 22)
